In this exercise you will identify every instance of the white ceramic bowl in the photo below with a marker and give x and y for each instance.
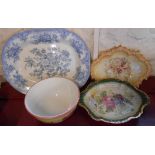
(52, 100)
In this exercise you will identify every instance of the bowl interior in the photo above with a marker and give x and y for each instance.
(52, 97)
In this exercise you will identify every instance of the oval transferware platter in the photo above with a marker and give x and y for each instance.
(33, 55)
(113, 101)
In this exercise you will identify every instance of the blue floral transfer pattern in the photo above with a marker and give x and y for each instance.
(48, 63)
(19, 80)
(23, 36)
(12, 52)
(43, 63)
(9, 68)
(45, 38)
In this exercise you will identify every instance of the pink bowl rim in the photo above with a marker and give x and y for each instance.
(58, 115)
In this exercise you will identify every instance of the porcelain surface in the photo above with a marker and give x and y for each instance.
(52, 100)
(113, 101)
(121, 63)
(33, 55)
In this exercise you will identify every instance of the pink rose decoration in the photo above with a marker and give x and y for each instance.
(108, 102)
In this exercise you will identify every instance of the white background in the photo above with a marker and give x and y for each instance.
(77, 140)
(80, 13)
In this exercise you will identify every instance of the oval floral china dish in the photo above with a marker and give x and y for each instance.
(113, 101)
(121, 63)
(33, 55)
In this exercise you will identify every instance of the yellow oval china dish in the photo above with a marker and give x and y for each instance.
(123, 64)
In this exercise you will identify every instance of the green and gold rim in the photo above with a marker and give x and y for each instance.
(144, 96)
